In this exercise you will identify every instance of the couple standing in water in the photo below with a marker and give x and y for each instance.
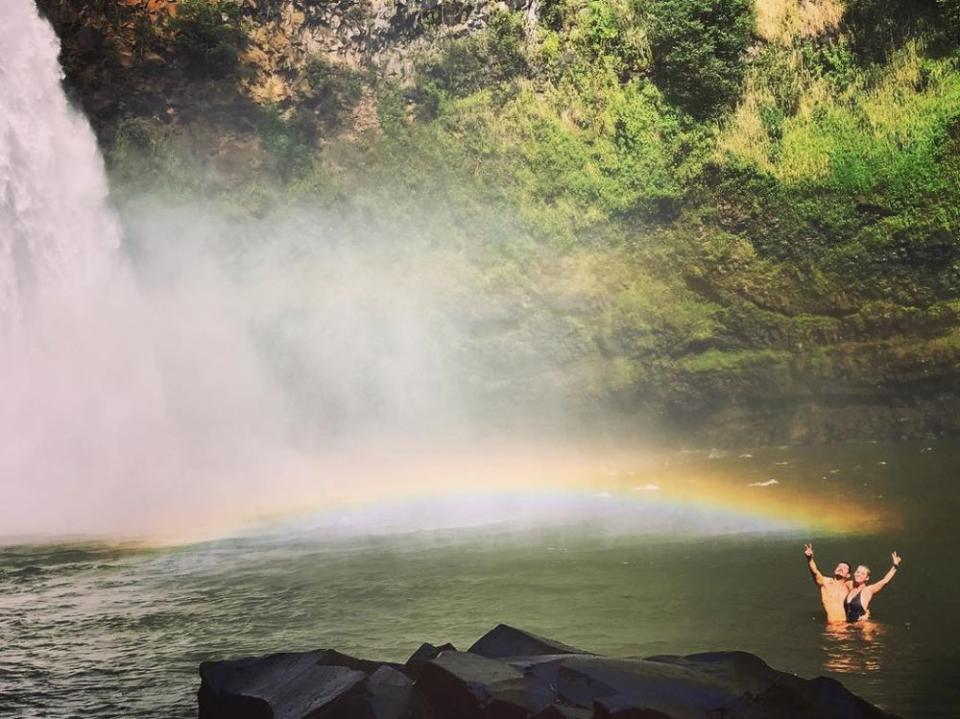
(847, 599)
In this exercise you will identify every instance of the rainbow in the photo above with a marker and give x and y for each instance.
(686, 503)
(533, 486)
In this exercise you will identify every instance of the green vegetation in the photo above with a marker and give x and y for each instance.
(707, 200)
(766, 212)
(334, 91)
(139, 154)
(208, 35)
(699, 47)
(878, 27)
(288, 138)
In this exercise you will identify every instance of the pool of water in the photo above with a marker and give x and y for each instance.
(101, 631)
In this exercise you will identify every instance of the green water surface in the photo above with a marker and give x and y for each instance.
(97, 631)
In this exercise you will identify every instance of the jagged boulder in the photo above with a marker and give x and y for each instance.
(622, 707)
(735, 685)
(461, 685)
(819, 698)
(740, 672)
(280, 686)
(425, 652)
(506, 641)
(762, 691)
(392, 695)
(615, 685)
(562, 711)
(324, 684)
(511, 674)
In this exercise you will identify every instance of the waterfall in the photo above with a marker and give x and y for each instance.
(57, 232)
(82, 414)
(126, 407)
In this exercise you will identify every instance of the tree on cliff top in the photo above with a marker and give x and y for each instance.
(698, 50)
(208, 35)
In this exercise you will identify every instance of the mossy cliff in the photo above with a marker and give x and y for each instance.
(737, 217)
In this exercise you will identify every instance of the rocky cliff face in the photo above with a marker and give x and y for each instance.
(126, 60)
(385, 37)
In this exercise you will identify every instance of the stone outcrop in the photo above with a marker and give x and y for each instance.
(505, 641)
(385, 34)
(512, 674)
(125, 61)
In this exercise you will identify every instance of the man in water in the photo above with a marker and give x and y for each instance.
(833, 590)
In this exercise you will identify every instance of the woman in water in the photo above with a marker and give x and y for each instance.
(857, 603)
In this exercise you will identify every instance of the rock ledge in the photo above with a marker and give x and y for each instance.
(512, 674)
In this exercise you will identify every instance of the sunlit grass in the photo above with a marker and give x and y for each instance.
(887, 127)
(785, 20)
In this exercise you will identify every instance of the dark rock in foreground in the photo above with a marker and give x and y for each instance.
(504, 641)
(511, 674)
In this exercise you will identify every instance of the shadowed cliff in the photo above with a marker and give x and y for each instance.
(727, 217)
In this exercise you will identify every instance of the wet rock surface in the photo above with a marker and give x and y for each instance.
(512, 674)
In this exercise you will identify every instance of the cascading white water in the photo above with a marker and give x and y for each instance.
(82, 406)
(106, 422)
(56, 230)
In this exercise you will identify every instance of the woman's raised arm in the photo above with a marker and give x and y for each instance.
(876, 587)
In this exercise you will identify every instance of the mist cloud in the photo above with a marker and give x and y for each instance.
(208, 376)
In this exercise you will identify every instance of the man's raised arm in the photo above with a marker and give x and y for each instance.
(895, 559)
(812, 565)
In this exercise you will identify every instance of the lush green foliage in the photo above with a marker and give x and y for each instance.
(139, 152)
(880, 27)
(862, 181)
(823, 212)
(705, 207)
(334, 90)
(468, 64)
(289, 138)
(208, 35)
(698, 51)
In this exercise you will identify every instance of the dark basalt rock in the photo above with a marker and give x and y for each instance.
(637, 705)
(510, 674)
(392, 695)
(561, 711)
(461, 685)
(621, 707)
(333, 658)
(820, 698)
(280, 686)
(740, 671)
(506, 641)
(619, 684)
(424, 654)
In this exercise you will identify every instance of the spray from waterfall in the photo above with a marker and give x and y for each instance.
(207, 380)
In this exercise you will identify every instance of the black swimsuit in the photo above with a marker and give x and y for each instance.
(854, 608)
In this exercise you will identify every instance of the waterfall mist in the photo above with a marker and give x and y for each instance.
(203, 370)
(171, 368)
